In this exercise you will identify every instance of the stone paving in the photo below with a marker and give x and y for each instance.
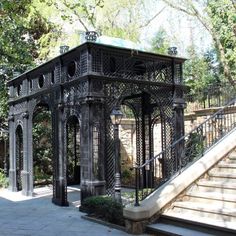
(37, 216)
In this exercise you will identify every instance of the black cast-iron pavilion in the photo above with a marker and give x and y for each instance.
(84, 85)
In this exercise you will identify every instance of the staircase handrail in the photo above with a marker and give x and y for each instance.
(222, 119)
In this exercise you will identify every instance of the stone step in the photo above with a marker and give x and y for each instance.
(218, 200)
(214, 227)
(173, 230)
(215, 186)
(230, 161)
(225, 167)
(225, 177)
(231, 157)
(204, 210)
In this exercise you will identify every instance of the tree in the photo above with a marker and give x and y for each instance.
(118, 18)
(223, 18)
(209, 14)
(159, 43)
(22, 31)
(201, 70)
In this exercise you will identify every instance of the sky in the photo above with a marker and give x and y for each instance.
(180, 28)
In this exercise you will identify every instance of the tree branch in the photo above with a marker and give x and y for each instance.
(76, 14)
(152, 18)
(234, 4)
(170, 4)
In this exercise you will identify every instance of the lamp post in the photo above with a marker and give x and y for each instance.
(116, 116)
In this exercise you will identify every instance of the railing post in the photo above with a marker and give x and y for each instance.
(136, 186)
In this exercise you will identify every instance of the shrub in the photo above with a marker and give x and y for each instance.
(3, 179)
(105, 208)
(194, 146)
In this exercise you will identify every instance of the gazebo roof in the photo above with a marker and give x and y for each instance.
(111, 48)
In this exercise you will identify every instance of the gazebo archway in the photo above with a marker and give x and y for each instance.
(42, 145)
(88, 82)
(19, 157)
(73, 151)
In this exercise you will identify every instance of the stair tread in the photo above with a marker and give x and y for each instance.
(226, 165)
(206, 207)
(213, 195)
(218, 184)
(203, 220)
(175, 230)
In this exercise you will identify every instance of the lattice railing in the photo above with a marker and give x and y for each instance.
(183, 152)
(215, 95)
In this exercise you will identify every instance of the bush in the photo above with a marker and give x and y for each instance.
(3, 179)
(105, 208)
(128, 176)
(194, 146)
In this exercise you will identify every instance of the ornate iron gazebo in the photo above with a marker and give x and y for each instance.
(84, 85)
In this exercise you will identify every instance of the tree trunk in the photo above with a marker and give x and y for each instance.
(206, 22)
(226, 68)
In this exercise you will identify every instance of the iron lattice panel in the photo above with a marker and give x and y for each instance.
(84, 62)
(132, 67)
(96, 62)
(130, 72)
(178, 74)
(157, 102)
(19, 157)
(109, 150)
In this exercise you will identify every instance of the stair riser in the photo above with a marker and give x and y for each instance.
(224, 170)
(231, 158)
(216, 190)
(204, 214)
(217, 203)
(223, 179)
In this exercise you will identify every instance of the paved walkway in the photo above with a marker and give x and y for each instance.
(37, 216)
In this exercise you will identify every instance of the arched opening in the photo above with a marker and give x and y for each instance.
(42, 146)
(19, 157)
(73, 151)
(127, 135)
(157, 149)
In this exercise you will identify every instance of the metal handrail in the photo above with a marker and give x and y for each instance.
(187, 149)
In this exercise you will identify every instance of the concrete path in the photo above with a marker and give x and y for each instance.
(37, 216)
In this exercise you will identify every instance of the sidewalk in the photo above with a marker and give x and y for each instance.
(37, 216)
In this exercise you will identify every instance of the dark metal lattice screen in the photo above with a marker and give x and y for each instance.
(147, 103)
(19, 156)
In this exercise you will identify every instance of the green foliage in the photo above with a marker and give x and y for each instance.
(128, 176)
(159, 43)
(42, 145)
(22, 31)
(223, 18)
(130, 196)
(194, 146)
(201, 71)
(127, 111)
(3, 179)
(218, 17)
(105, 208)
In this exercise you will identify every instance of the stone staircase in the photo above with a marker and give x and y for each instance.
(207, 207)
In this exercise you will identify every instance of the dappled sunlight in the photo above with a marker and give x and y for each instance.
(18, 196)
(46, 191)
